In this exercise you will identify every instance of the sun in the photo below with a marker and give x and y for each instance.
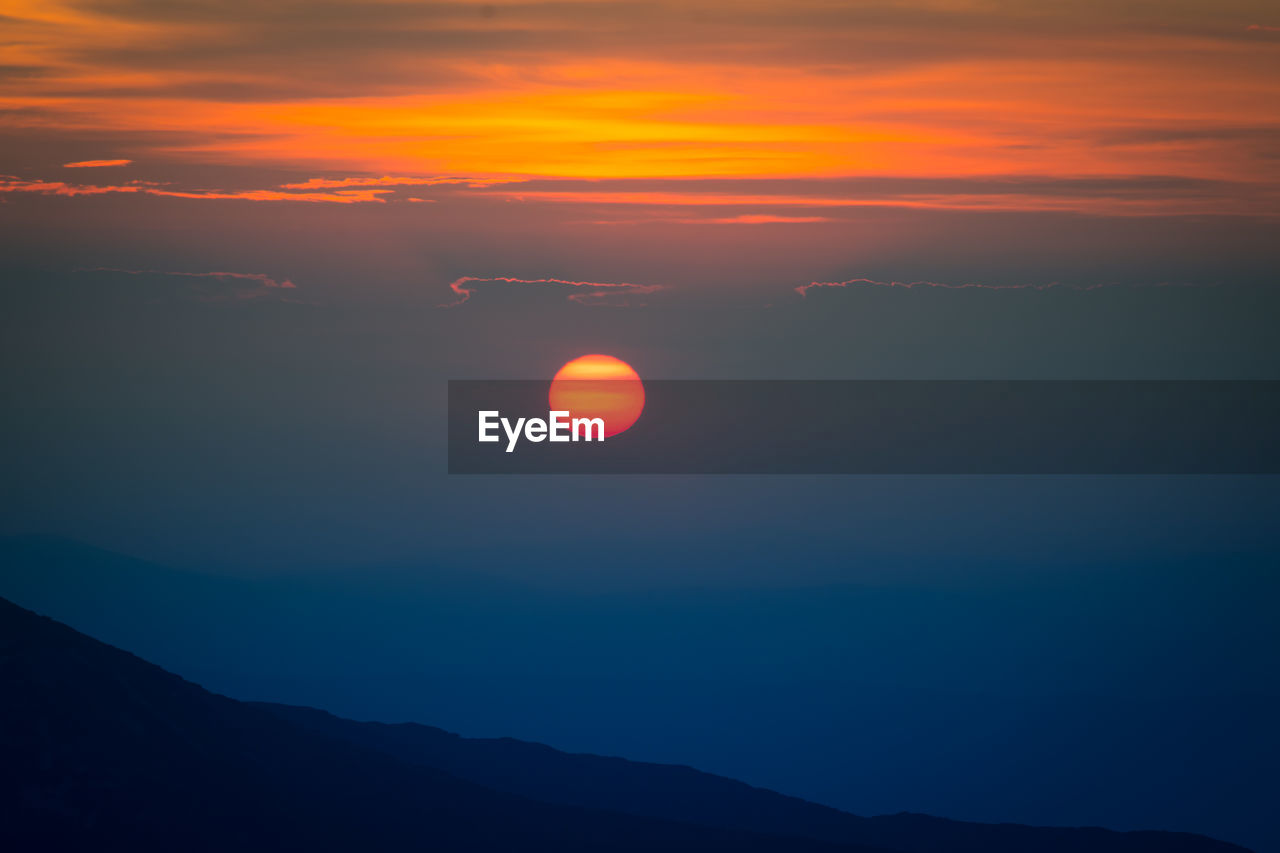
(599, 386)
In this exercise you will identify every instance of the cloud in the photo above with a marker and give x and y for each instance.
(244, 286)
(744, 219)
(804, 289)
(813, 199)
(758, 219)
(94, 164)
(661, 216)
(336, 197)
(347, 190)
(587, 292)
(752, 200)
(13, 184)
(10, 183)
(668, 88)
(391, 181)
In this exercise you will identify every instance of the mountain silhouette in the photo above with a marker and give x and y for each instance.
(101, 750)
(684, 794)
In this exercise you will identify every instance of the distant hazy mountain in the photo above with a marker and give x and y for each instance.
(684, 794)
(100, 750)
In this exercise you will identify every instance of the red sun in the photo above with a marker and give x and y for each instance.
(599, 386)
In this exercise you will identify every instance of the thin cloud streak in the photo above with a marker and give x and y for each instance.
(804, 289)
(95, 164)
(13, 184)
(593, 292)
(391, 181)
(261, 279)
(336, 197)
(743, 201)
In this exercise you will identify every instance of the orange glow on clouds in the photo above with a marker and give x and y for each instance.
(9, 184)
(592, 90)
(599, 386)
(94, 164)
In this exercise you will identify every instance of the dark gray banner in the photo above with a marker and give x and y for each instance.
(879, 427)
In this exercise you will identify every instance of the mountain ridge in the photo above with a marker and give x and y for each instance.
(102, 750)
(678, 792)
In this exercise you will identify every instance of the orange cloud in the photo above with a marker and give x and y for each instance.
(389, 181)
(752, 201)
(741, 219)
(759, 219)
(13, 184)
(93, 164)
(1122, 197)
(337, 197)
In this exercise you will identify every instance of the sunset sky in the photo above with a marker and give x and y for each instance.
(874, 134)
(245, 243)
(756, 109)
